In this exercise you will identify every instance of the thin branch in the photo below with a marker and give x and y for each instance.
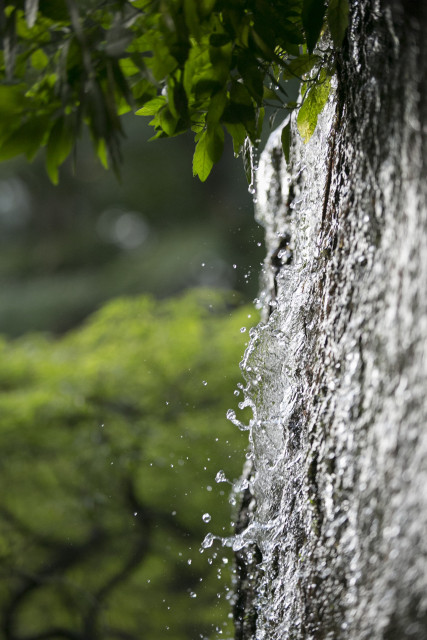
(54, 633)
(63, 559)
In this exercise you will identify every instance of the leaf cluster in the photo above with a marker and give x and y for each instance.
(210, 66)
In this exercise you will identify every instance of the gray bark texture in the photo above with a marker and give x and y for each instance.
(331, 540)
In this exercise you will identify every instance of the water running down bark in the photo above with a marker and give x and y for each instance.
(331, 536)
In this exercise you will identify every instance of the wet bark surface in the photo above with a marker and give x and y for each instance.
(337, 372)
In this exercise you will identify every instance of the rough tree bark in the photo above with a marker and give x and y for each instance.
(331, 539)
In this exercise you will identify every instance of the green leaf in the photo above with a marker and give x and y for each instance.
(286, 140)
(128, 67)
(299, 66)
(202, 161)
(253, 76)
(220, 58)
(59, 146)
(162, 63)
(337, 14)
(206, 87)
(39, 60)
(208, 151)
(151, 107)
(177, 100)
(167, 121)
(191, 16)
(241, 109)
(269, 94)
(206, 7)
(239, 94)
(122, 106)
(159, 134)
(120, 81)
(143, 91)
(266, 50)
(238, 133)
(215, 142)
(102, 152)
(12, 99)
(26, 139)
(313, 13)
(236, 113)
(314, 101)
(216, 107)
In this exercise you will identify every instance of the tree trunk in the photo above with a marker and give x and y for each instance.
(332, 535)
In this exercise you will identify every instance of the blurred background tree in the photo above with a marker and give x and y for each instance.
(111, 440)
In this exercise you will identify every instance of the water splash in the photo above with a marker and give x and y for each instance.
(335, 374)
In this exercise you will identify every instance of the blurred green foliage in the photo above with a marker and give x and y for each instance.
(111, 438)
(66, 250)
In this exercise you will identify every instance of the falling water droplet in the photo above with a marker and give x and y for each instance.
(231, 414)
(206, 517)
(208, 541)
(220, 476)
